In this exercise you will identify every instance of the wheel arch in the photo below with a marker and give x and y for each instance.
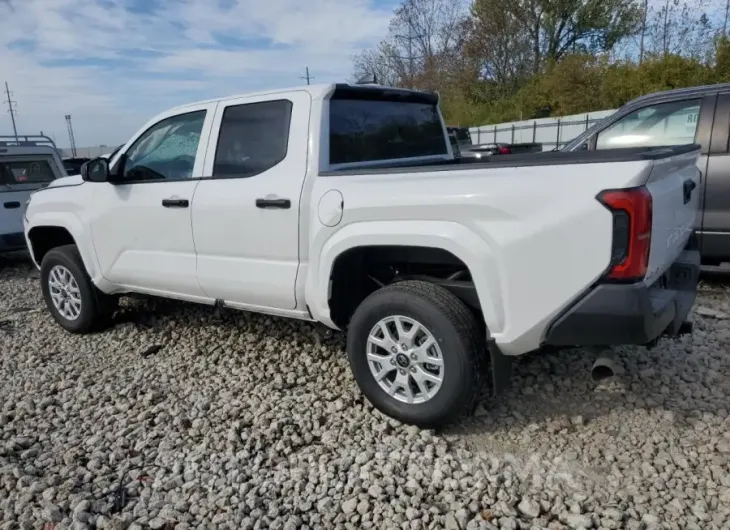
(47, 233)
(435, 237)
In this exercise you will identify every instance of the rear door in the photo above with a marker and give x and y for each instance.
(245, 217)
(19, 176)
(674, 183)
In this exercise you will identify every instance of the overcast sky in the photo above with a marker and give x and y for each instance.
(113, 64)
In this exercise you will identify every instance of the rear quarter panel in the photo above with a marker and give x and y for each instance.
(534, 238)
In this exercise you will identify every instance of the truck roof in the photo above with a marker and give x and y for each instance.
(318, 91)
(28, 144)
(681, 92)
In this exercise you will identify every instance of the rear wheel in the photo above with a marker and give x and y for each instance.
(70, 295)
(414, 349)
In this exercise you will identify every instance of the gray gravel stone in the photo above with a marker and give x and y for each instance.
(575, 520)
(52, 513)
(349, 506)
(247, 421)
(450, 522)
(529, 507)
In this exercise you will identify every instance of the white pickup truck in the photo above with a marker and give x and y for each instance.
(343, 204)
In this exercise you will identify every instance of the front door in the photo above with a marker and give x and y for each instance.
(246, 216)
(141, 223)
(716, 212)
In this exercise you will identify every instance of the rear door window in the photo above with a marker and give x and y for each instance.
(369, 130)
(254, 137)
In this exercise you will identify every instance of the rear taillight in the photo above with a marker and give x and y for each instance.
(503, 150)
(632, 213)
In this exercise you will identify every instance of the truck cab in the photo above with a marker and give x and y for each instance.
(698, 115)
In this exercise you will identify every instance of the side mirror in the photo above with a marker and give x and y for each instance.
(96, 170)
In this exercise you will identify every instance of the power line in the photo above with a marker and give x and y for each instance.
(11, 109)
(307, 77)
(412, 56)
(412, 35)
(71, 138)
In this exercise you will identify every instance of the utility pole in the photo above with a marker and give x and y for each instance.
(71, 138)
(645, 13)
(409, 38)
(307, 77)
(410, 50)
(727, 11)
(11, 109)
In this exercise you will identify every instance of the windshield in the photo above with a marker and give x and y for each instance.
(575, 142)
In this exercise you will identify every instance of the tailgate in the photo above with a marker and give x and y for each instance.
(674, 184)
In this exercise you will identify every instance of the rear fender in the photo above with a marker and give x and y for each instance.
(473, 250)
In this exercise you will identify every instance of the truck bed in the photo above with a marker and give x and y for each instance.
(540, 215)
(547, 158)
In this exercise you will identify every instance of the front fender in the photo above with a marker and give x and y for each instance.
(78, 231)
(463, 243)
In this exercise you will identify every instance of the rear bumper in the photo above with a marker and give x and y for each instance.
(615, 314)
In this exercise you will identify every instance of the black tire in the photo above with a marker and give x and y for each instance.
(452, 325)
(97, 308)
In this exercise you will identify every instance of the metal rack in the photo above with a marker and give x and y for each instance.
(27, 140)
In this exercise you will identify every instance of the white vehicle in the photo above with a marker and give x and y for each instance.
(27, 163)
(343, 204)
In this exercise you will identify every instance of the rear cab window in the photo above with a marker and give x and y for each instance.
(370, 126)
(26, 173)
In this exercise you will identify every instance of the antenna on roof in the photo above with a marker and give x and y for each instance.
(307, 77)
(369, 79)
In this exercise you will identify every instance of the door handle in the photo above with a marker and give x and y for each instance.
(175, 203)
(688, 186)
(284, 204)
(12, 205)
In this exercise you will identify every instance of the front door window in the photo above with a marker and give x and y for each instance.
(672, 123)
(167, 150)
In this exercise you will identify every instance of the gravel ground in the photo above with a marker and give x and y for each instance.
(179, 417)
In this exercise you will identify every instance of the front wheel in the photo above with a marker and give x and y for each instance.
(414, 349)
(70, 295)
